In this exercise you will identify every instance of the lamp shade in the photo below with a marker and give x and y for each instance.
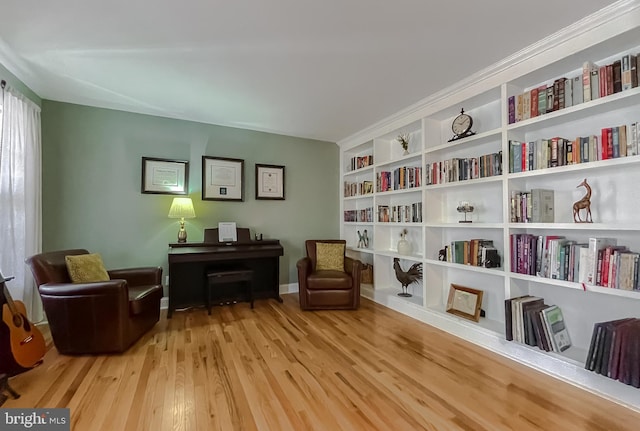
(182, 208)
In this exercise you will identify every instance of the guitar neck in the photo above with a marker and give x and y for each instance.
(7, 297)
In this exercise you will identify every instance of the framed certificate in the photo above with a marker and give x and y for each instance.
(269, 182)
(222, 179)
(165, 176)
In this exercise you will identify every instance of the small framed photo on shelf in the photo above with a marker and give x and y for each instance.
(164, 176)
(222, 179)
(464, 302)
(269, 182)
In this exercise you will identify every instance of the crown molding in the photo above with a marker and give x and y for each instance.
(612, 14)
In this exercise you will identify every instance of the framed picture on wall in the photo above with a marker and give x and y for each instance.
(165, 176)
(269, 182)
(222, 179)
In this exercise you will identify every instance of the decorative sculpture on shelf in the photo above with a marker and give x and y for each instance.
(583, 204)
(404, 246)
(363, 239)
(413, 275)
(465, 207)
(403, 140)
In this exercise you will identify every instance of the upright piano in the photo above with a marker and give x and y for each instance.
(189, 264)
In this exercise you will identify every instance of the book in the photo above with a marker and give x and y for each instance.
(587, 67)
(519, 107)
(615, 138)
(609, 79)
(534, 102)
(608, 340)
(578, 92)
(616, 344)
(595, 84)
(596, 244)
(542, 206)
(518, 316)
(529, 337)
(629, 74)
(568, 93)
(508, 316)
(554, 321)
(594, 346)
(512, 109)
(628, 360)
(617, 76)
(526, 105)
(542, 337)
(542, 99)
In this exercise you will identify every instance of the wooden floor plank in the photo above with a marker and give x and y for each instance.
(277, 368)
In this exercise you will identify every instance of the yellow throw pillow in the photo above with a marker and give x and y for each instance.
(330, 256)
(86, 268)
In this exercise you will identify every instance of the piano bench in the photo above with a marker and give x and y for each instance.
(215, 278)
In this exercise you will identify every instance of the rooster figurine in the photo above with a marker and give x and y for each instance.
(413, 275)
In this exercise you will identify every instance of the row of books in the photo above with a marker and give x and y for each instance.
(357, 189)
(360, 162)
(592, 83)
(614, 350)
(535, 206)
(411, 213)
(599, 262)
(459, 169)
(528, 320)
(364, 215)
(405, 177)
(474, 252)
(613, 142)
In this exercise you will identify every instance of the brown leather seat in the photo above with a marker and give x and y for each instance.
(328, 289)
(98, 317)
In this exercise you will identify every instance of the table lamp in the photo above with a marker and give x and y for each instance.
(182, 208)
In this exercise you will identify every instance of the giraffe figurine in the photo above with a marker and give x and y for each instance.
(583, 204)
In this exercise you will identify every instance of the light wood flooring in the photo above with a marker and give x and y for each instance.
(278, 368)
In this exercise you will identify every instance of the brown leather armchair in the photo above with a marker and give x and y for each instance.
(99, 317)
(328, 289)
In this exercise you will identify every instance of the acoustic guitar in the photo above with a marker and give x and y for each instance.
(25, 341)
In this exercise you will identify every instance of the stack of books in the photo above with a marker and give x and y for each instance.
(530, 321)
(615, 350)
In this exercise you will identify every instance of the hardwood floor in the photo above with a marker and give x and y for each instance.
(278, 368)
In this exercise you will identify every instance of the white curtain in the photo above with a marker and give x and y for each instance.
(20, 196)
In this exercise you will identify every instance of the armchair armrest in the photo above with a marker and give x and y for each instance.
(352, 266)
(138, 276)
(304, 268)
(111, 287)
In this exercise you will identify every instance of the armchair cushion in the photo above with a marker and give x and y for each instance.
(330, 256)
(329, 280)
(86, 268)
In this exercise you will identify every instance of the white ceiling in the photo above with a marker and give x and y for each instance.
(315, 69)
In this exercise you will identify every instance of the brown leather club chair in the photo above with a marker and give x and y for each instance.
(328, 289)
(98, 317)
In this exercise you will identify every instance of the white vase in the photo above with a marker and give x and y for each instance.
(404, 247)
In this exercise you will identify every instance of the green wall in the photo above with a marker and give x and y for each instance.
(91, 185)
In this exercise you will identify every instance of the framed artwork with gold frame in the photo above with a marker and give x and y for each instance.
(465, 302)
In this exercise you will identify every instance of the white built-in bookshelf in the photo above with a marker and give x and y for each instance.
(615, 203)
